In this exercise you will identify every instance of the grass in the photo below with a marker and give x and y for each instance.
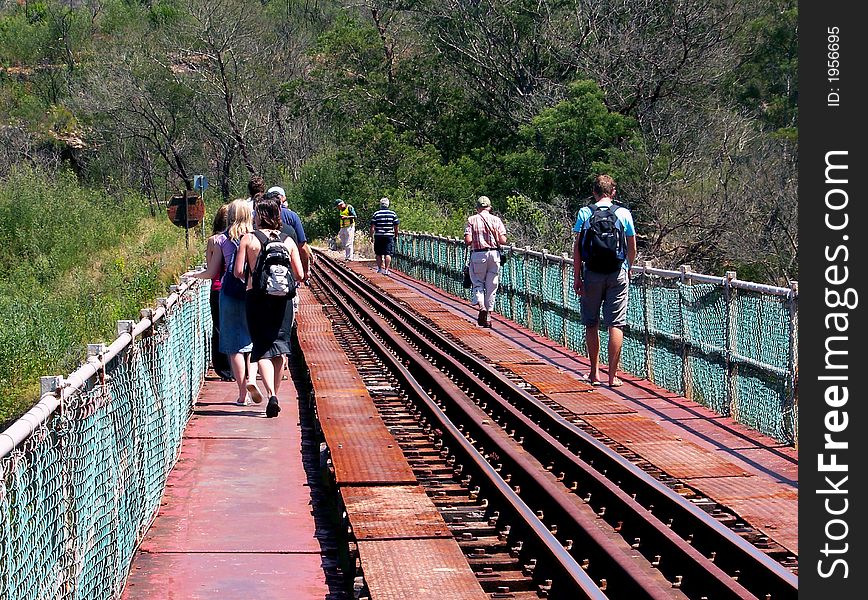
(66, 279)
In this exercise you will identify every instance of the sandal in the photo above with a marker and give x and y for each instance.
(616, 382)
(254, 392)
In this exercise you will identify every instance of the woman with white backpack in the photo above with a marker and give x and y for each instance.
(271, 264)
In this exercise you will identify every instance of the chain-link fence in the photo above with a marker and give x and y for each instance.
(82, 473)
(728, 344)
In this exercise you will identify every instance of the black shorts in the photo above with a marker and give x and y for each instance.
(384, 245)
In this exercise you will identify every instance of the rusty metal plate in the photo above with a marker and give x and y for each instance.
(206, 575)
(685, 460)
(590, 403)
(549, 379)
(777, 462)
(334, 406)
(769, 506)
(392, 512)
(418, 569)
(630, 429)
(335, 377)
(364, 452)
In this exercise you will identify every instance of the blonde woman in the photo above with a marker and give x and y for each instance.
(234, 335)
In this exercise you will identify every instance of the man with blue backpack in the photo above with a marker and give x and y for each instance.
(603, 253)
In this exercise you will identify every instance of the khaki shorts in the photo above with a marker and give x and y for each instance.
(606, 290)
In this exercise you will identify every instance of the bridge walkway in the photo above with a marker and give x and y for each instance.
(236, 520)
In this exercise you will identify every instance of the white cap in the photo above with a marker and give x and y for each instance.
(384, 202)
(277, 189)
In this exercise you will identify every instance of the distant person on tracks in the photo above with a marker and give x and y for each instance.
(484, 233)
(235, 339)
(603, 254)
(271, 262)
(347, 233)
(215, 267)
(384, 230)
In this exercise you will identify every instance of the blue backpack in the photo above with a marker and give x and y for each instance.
(230, 284)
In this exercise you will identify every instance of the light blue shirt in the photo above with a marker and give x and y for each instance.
(623, 215)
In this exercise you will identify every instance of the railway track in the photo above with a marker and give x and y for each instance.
(540, 504)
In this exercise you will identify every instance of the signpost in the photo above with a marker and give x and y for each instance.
(186, 210)
(200, 184)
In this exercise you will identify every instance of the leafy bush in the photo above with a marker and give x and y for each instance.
(72, 262)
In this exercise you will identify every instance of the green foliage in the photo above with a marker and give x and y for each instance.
(563, 142)
(766, 80)
(72, 262)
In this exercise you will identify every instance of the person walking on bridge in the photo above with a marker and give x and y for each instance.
(270, 262)
(347, 233)
(235, 339)
(603, 254)
(293, 227)
(384, 230)
(215, 267)
(484, 233)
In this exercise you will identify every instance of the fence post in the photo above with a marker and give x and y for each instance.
(527, 295)
(793, 366)
(649, 321)
(566, 285)
(513, 287)
(731, 346)
(686, 373)
(542, 306)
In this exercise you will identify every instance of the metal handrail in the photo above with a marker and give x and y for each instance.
(787, 292)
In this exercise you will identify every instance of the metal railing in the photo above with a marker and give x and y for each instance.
(726, 343)
(83, 471)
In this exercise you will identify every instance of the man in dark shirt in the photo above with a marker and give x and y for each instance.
(384, 229)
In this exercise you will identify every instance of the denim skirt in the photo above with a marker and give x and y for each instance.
(234, 335)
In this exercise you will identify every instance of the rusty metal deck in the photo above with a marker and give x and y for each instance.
(235, 520)
(393, 512)
(426, 569)
(679, 436)
(405, 548)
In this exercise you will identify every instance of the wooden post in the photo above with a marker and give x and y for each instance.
(649, 321)
(793, 383)
(731, 345)
(686, 373)
(565, 297)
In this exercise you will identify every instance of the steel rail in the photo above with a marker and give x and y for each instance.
(695, 572)
(762, 574)
(562, 562)
(48, 403)
(625, 579)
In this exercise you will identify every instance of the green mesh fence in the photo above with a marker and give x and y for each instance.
(723, 344)
(78, 495)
